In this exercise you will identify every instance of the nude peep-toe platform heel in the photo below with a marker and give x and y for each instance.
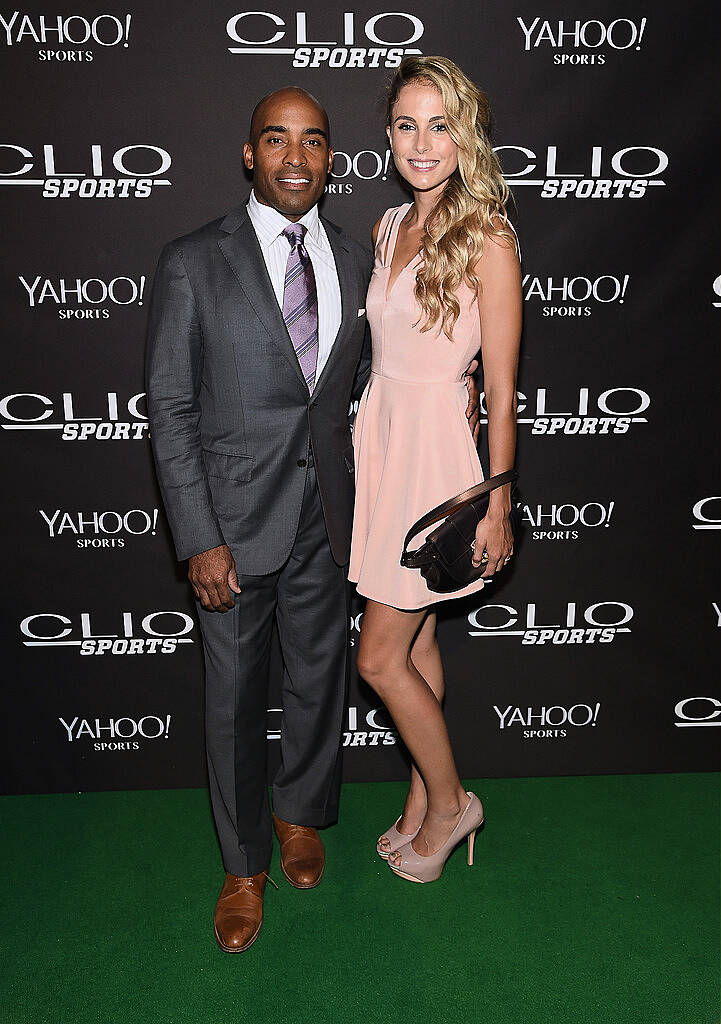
(395, 838)
(415, 868)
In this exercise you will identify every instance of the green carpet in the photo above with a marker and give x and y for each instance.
(591, 900)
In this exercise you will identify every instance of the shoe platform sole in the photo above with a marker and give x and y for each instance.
(411, 878)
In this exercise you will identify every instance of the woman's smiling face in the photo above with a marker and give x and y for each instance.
(423, 150)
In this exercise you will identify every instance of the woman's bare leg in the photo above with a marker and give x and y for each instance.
(426, 657)
(385, 662)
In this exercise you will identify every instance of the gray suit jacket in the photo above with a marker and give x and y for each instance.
(230, 415)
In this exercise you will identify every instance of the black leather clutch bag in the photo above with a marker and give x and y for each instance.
(446, 558)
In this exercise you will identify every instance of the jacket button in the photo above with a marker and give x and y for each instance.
(302, 462)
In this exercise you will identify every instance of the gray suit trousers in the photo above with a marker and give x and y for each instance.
(309, 598)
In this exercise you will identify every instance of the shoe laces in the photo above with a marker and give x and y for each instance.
(300, 831)
(246, 883)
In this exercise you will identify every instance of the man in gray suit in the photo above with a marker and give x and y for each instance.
(257, 343)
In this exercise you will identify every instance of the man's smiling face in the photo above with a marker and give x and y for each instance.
(289, 152)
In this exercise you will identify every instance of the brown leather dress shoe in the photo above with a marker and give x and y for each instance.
(302, 855)
(239, 912)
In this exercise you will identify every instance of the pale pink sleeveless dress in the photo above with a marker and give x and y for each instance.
(413, 447)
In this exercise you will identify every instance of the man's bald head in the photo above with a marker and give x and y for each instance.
(292, 93)
(289, 151)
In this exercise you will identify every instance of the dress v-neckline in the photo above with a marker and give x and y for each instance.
(392, 242)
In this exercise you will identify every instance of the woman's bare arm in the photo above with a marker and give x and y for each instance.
(500, 305)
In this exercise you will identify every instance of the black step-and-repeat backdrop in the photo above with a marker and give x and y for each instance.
(595, 651)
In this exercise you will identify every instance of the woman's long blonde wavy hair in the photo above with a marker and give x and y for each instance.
(472, 203)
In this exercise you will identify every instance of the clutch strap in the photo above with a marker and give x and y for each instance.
(451, 506)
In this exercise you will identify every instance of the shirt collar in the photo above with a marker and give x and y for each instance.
(270, 223)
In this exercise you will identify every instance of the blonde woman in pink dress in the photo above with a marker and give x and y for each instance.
(446, 285)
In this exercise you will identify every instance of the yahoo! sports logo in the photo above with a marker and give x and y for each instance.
(67, 32)
(77, 298)
(129, 172)
(570, 297)
(588, 37)
(380, 41)
(116, 733)
(565, 520)
(547, 722)
(349, 168)
(100, 530)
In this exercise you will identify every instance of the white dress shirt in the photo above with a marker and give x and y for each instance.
(269, 225)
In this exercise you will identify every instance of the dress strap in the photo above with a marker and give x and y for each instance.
(518, 241)
(388, 223)
(382, 233)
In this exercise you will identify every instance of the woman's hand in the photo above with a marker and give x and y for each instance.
(495, 538)
(473, 409)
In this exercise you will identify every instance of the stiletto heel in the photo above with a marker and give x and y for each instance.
(416, 868)
(471, 844)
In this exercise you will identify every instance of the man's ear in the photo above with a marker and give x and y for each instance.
(248, 156)
(331, 157)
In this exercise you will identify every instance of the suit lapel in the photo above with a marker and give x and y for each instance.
(348, 281)
(242, 251)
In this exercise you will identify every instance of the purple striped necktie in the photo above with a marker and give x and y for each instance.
(300, 303)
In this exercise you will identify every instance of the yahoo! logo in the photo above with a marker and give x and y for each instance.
(116, 733)
(83, 298)
(65, 31)
(100, 530)
(574, 296)
(547, 722)
(565, 520)
(619, 34)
